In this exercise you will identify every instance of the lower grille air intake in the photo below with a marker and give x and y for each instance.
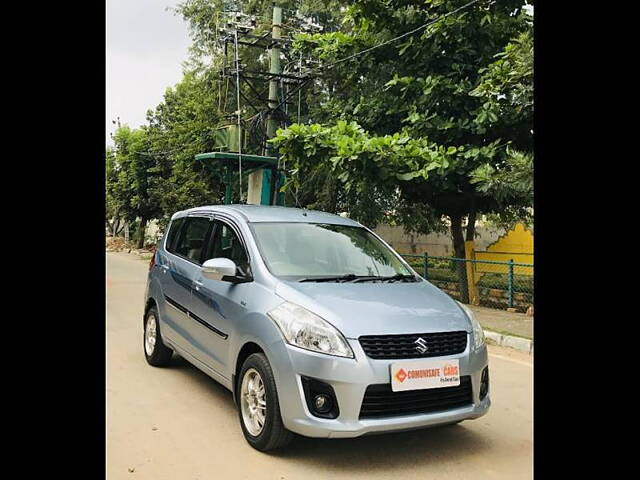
(381, 401)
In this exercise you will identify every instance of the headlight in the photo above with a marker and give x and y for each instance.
(307, 330)
(478, 332)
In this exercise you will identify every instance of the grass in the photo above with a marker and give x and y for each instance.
(500, 281)
(521, 283)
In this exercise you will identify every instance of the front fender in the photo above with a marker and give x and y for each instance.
(259, 329)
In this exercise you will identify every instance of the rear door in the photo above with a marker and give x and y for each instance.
(168, 314)
(180, 268)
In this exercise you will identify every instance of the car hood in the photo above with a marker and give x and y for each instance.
(378, 308)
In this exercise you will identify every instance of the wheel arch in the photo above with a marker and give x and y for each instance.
(151, 302)
(250, 347)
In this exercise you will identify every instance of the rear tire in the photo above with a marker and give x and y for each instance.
(258, 406)
(155, 351)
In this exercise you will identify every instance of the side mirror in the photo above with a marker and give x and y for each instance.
(217, 268)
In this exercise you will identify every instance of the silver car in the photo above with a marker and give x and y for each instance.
(313, 322)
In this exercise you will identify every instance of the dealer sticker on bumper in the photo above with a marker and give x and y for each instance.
(427, 373)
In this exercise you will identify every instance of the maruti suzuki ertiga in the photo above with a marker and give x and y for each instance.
(313, 322)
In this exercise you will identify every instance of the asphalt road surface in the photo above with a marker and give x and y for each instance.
(177, 423)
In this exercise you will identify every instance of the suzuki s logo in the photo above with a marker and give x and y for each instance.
(421, 345)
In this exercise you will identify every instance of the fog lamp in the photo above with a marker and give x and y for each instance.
(320, 398)
(323, 403)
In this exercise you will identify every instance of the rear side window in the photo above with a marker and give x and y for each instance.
(172, 236)
(192, 238)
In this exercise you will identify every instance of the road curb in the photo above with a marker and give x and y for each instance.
(517, 343)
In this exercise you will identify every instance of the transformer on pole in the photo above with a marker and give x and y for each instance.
(262, 167)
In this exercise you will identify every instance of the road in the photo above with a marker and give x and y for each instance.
(176, 423)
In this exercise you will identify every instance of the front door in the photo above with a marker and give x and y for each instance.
(219, 303)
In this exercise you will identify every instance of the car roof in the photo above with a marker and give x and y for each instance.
(272, 213)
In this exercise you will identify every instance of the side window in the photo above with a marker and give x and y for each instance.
(192, 238)
(172, 236)
(226, 244)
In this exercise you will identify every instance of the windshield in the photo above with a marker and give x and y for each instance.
(307, 251)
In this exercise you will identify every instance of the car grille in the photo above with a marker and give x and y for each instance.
(381, 401)
(404, 346)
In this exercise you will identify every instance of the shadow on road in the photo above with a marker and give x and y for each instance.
(203, 380)
(387, 452)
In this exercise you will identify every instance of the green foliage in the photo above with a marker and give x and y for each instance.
(506, 86)
(438, 124)
(509, 217)
(368, 167)
(113, 204)
(151, 171)
(134, 181)
(182, 126)
(508, 182)
(360, 161)
(441, 119)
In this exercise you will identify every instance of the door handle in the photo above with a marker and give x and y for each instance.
(197, 284)
(165, 268)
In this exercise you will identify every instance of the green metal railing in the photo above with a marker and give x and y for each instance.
(493, 283)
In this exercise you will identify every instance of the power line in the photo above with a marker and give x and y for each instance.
(406, 34)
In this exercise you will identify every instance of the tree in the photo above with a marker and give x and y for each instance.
(506, 86)
(426, 132)
(180, 127)
(113, 203)
(134, 183)
(428, 118)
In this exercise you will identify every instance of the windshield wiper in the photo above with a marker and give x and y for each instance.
(353, 278)
(393, 278)
(349, 277)
(400, 276)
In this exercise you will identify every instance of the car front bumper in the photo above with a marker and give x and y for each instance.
(349, 379)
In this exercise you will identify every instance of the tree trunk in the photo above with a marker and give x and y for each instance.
(143, 228)
(471, 227)
(458, 248)
(114, 224)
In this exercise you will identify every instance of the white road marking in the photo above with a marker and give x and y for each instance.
(511, 360)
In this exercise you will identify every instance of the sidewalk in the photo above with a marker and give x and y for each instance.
(504, 328)
(501, 321)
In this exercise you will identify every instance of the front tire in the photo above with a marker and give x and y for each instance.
(258, 406)
(155, 351)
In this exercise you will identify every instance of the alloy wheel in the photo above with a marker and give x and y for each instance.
(150, 335)
(253, 402)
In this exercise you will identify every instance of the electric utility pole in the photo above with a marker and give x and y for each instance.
(261, 180)
(262, 167)
(275, 69)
